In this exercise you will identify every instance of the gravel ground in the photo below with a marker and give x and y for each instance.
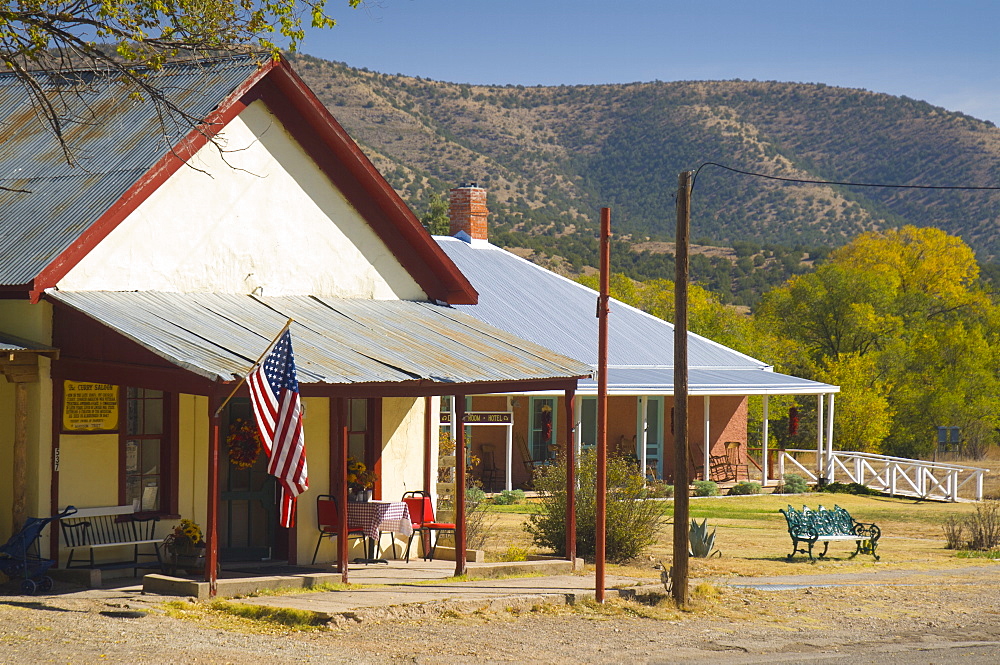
(916, 617)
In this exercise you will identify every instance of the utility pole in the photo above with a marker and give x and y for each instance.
(600, 534)
(681, 496)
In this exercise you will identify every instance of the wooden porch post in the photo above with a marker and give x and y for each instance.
(19, 511)
(570, 477)
(20, 369)
(460, 533)
(340, 484)
(212, 523)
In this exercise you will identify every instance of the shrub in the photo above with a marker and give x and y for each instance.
(659, 490)
(793, 483)
(848, 488)
(515, 553)
(979, 531)
(479, 520)
(705, 488)
(745, 487)
(509, 497)
(632, 525)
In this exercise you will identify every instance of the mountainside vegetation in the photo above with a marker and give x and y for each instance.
(550, 157)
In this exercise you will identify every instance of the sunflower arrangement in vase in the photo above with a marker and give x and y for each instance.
(185, 538)
(360, 479)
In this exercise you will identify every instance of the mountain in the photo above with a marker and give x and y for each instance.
(552, 156)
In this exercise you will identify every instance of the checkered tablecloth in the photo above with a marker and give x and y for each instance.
(377, 516)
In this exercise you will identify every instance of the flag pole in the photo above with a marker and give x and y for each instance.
(239, 385)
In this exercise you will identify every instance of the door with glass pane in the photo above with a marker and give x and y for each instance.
(654, 433)
(248, 510)
(543, 428)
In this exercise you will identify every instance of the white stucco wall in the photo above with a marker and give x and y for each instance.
(261, 215)
(403, 450)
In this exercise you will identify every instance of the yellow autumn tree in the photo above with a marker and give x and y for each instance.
(899, 319)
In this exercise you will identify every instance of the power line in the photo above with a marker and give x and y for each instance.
(834, 182)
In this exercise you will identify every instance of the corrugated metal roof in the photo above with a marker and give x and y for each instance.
(538, 305)
(336, 341)
(10, 344)
(115, 139)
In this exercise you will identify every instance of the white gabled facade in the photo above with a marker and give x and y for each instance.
(254, 216)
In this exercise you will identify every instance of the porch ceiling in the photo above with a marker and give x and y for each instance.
(336, 341)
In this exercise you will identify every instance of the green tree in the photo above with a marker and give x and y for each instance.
(131, 38)
(436, 219)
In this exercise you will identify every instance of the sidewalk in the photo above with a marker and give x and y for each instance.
(395, 599)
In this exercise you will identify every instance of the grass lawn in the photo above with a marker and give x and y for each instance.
(753, 537)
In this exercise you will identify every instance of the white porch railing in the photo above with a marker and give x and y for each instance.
(897, 476)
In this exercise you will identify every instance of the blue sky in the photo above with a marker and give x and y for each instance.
(947, 53)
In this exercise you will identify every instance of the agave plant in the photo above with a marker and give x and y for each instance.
(701, 542)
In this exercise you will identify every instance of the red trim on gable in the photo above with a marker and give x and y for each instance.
(337, 155)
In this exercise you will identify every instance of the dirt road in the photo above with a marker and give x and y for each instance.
(905, 617)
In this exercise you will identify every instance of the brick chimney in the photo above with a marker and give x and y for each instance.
(467, 211)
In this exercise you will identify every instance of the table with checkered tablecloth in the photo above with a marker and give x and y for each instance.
(374, 517)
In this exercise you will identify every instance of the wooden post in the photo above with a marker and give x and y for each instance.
(570, 478)
(20, 369)
(19, 511)
(601, 507)
(340, 487)
(460, 487)
(212, 524)
(681, 496)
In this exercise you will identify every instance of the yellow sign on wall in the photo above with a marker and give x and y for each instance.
(89, 406)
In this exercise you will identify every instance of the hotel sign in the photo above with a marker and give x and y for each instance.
(482, 418)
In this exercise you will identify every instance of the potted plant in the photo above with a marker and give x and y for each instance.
(185, 547)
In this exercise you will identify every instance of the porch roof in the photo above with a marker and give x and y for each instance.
(337, 341)
(11, 344)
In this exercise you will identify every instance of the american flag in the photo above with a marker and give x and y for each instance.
(274, 391)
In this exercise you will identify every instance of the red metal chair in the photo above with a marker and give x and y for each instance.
(421, 509)
(328, 517)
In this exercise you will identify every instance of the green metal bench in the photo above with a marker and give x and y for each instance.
(809, 527)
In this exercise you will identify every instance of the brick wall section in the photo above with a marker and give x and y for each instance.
(467, 211)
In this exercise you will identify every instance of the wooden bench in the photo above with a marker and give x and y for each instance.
(821, 525)
(110, 526)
